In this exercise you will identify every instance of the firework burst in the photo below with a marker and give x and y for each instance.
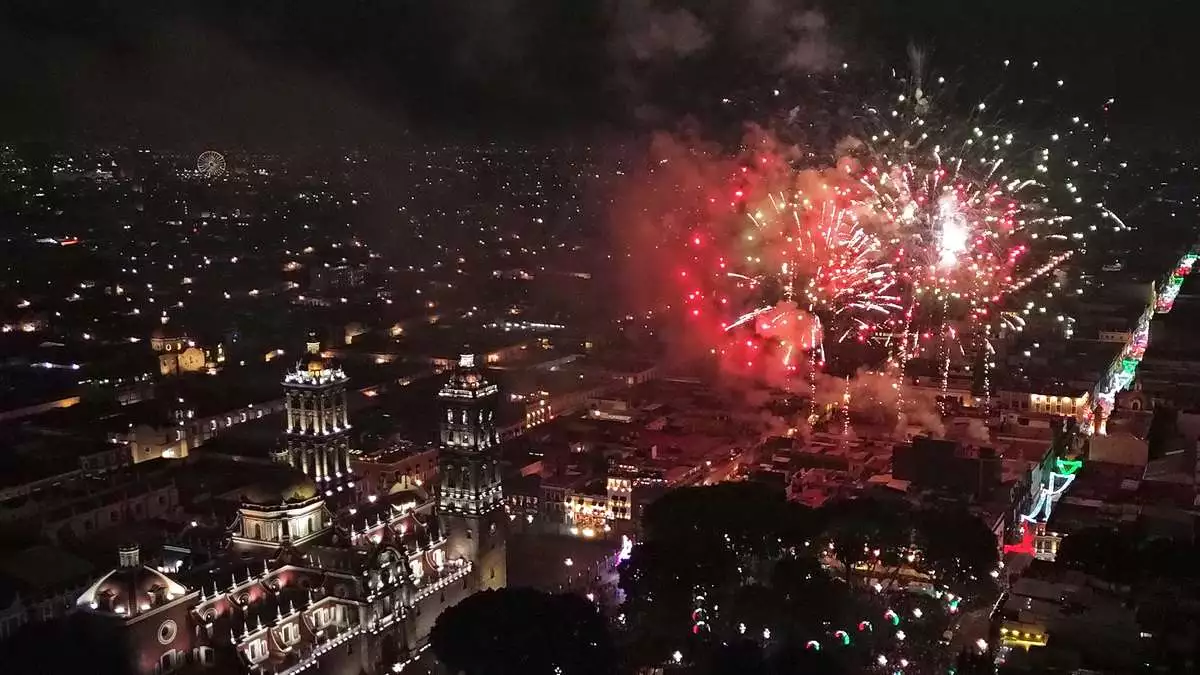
(916, 237)
(975, 211)
(973, 207)
(806, 267)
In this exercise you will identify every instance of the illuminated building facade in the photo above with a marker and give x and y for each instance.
(357, 593)
(318, 424)
(297, 586)
(1039, 403)
(620, 491)
(469, 498)
(587, 514)
(290, 516)
(469, 407)
(177, 353)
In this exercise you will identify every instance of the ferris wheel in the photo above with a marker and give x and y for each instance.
(210, 164)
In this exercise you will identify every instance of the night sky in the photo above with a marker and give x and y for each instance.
(327, 72)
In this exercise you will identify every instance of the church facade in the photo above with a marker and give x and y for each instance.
(300, 587)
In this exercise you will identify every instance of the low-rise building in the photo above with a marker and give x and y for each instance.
(38, 583)
(1071, 616)
(77, 507)
(399, 466)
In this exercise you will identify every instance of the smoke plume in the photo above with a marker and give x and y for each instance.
(788, 38)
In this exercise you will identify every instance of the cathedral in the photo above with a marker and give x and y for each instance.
(298, 585)
(317, 441)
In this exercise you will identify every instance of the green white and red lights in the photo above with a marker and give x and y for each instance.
(1093, 418)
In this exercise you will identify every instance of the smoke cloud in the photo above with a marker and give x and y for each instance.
(460, 63)
(645, 33)
(876, 399)
(787, 37)
(708, 48)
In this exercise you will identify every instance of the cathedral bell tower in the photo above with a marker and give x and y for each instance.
(469, 497)
(318, 425)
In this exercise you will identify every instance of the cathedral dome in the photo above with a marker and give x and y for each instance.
(281, 487)
(131, 588)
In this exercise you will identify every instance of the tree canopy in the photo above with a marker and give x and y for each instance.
(68, 644)
(520, 631)
(738, 579)
(1126, 557)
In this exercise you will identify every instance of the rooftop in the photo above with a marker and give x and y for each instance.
(43, 568)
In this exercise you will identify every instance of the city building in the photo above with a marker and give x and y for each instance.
(1076, 618)
(399, 466)
(77, 507)
(338, 277)
(470, 495)
(38, 583)
(298, 586)
(151, 437)
(961, 470)
(318, 425)
(177, 353)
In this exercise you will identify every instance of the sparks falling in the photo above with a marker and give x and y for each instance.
(807, 266)
(916, 237)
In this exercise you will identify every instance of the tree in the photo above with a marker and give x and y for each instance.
(518, 631)
(1168, 559)
(721, 541)
(1125, 557)
(1164, 429)
(749, 519)
(958, 547)
(972, 663)
(739, 657)
(794, 658)
(858, 528)
(1103, 552)
(70, 644)
(755, 563)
